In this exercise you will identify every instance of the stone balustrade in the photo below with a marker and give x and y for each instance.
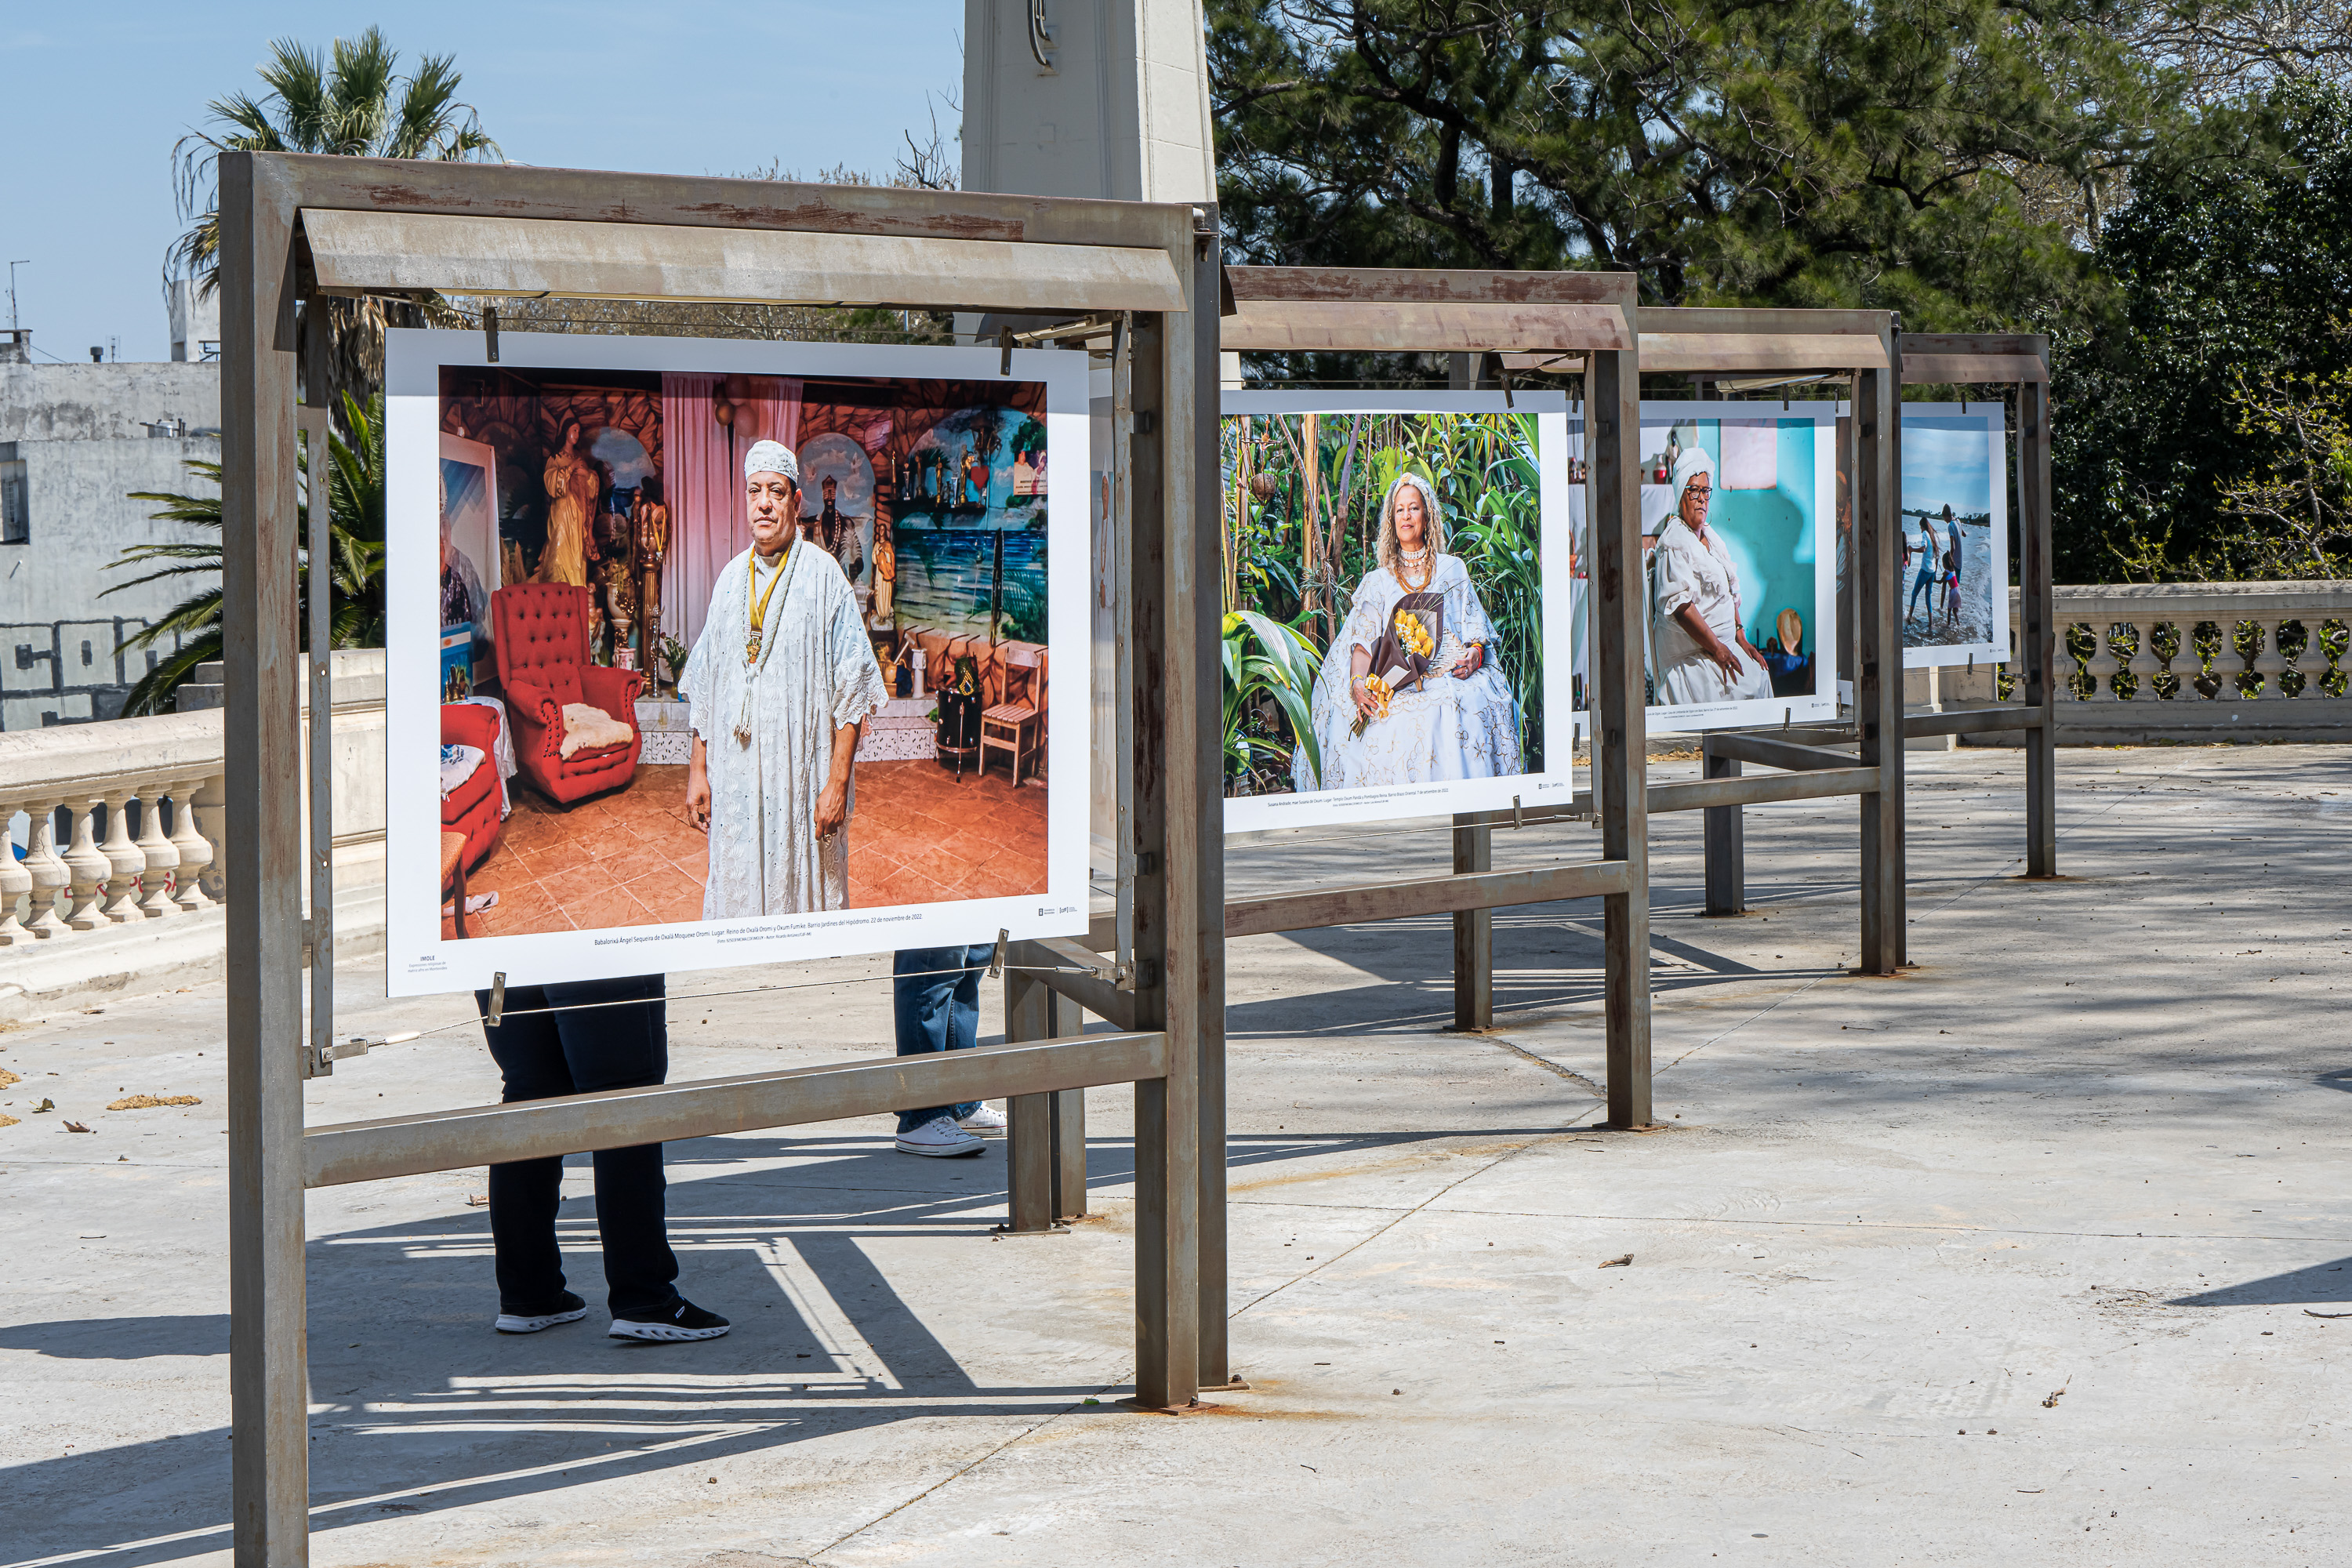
(2197, 660)
(122, 824)
(107, 874)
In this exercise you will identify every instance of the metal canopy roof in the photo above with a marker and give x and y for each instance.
(383, 252)
(1395, 310)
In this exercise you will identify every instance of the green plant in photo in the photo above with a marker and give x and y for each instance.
(1268, 661)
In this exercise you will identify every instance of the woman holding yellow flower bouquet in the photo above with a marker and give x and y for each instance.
(1408, 692)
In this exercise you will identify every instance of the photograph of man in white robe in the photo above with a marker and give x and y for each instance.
(778, 684)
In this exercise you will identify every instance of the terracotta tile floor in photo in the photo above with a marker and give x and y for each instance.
(630, 858)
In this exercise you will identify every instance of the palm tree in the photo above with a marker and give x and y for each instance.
(356, 496)
(353, 105)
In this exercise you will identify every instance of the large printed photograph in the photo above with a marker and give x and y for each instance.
(1737, 505)
(729, 651)
(1385, 619)
(1954, 581)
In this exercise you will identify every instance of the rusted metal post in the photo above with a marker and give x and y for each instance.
(1878, 656)
(1727, 850)
(1613, 391)
(1167, 1198)
(1196, 749)
(1029, 1143)
(1474, 848)
(269, 1378)
(2039, 630)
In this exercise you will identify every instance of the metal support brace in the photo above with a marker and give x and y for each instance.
(1878, 656)
(1727, 850)
(1473, 934)
(2038, 632)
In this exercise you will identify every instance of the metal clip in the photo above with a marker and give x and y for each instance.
(1518, 821)
(320, 1062)
(996, 960)
(498, 998)
(1004, 340)
(1503, 373)
(490, 330)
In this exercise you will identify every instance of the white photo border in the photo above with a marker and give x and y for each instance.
(417, 962)
(1755, 711)
(1563, 724)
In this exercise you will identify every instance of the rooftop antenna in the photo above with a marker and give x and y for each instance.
(12, 290)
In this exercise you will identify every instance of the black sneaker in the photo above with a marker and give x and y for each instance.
(568, 1308)
(684, 1320)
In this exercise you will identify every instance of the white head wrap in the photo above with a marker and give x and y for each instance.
(1693, 460)
(772, 458)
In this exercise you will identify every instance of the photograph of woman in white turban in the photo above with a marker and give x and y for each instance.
(1701, 653)
(1459, 721)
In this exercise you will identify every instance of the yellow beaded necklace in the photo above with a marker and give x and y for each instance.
(760, 597)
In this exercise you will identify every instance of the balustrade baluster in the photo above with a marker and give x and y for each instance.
(212, 798)
(51, 875)
(195, 851)
(2269, 663)
(90, 866)
(2101, 666)
(16, 882)
(125, 864)
(158, 856)
(2144, 666)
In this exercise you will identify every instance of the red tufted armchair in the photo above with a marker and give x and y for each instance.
(542, 650)
(472, 808)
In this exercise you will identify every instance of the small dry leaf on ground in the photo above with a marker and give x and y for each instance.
(150, 1101)
(1619, 1262)
(8, 1120)
(476, 1200)
(75, 1127)
(8, 1077)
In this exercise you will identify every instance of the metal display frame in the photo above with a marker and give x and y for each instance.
(2022, 360)
(1457, 312)
(1143, 269)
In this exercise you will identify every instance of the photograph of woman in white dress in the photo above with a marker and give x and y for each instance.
(1459, 721)
(1701, 653)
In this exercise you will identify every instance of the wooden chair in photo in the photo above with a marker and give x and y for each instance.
(1017, 722)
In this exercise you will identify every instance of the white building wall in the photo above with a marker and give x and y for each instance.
(87, 435)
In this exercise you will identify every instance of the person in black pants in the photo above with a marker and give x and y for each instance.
(577, 1038)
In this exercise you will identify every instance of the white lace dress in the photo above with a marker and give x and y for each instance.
(1444, 729)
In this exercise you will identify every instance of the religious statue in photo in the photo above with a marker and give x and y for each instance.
(886, 572)
(569, 547)
(778, 687)
(649, 524)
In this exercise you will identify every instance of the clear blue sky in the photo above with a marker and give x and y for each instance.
(97, 95)
(1946, 462)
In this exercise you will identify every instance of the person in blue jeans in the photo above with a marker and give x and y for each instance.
(578, 1038)
(935, 992)
(1930, 568)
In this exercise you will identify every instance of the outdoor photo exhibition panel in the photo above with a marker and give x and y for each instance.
(931, 549)
(296, 230)
(1458, 645)
(1954, 511)
(1740, 554)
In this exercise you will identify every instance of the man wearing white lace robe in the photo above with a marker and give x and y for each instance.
(778, 684)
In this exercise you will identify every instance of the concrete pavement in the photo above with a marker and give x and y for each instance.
(2016, 1256)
